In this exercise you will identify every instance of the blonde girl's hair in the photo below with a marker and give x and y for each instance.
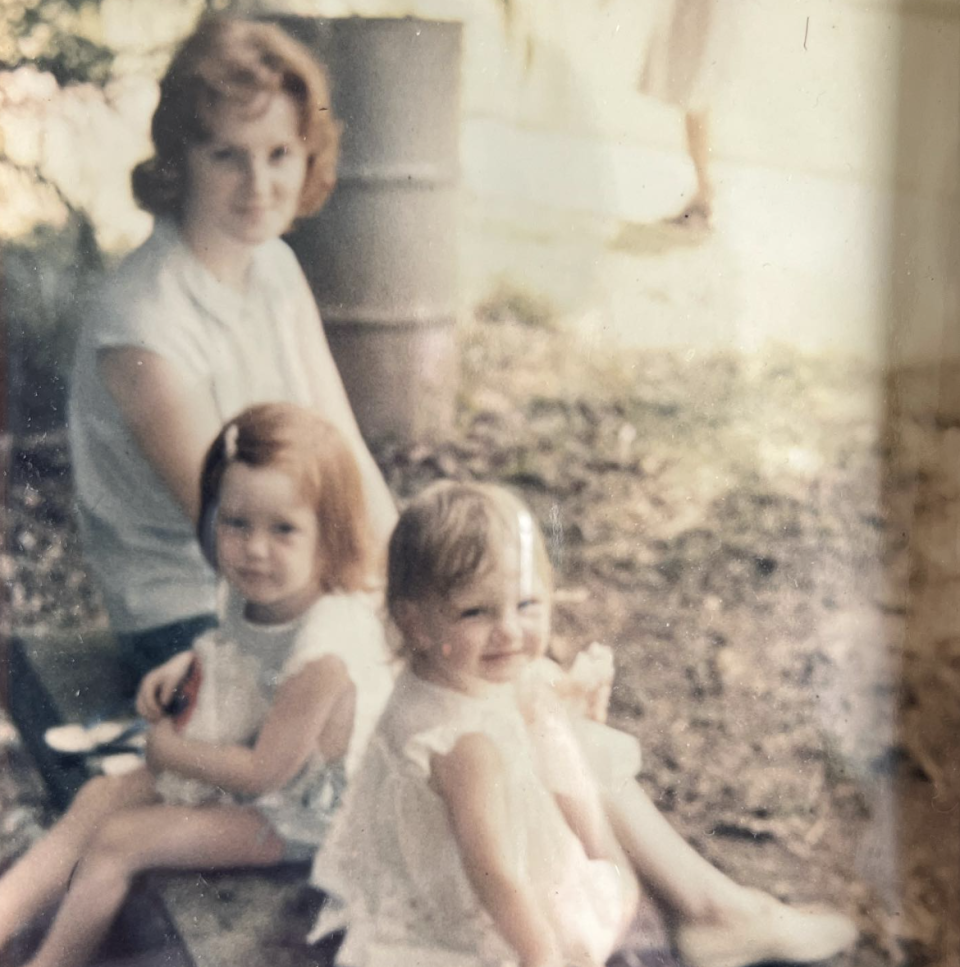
(230, 63)
(450, 534)
(316, 457)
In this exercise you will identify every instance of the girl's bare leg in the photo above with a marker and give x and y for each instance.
(687, 883)
(719, 923)
(39, 878)
(151, 837)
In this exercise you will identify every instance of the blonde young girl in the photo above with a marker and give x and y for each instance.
(452, 851)
(399, 891)
(290, 686)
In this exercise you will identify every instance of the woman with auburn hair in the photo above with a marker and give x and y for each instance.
(210, 315)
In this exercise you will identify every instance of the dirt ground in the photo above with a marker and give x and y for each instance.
(740, 531)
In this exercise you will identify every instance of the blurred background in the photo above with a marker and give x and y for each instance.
(834, 146)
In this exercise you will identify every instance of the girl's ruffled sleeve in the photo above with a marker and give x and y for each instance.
(498, 720)
(440, 740)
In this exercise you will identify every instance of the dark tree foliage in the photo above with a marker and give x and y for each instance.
(39, 32)
(44, 273)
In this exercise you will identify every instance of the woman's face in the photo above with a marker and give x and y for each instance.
(244, 183)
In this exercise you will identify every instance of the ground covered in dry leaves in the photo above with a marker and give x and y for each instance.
(742, 533)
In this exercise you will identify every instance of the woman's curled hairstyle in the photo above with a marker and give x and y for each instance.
(229, 63)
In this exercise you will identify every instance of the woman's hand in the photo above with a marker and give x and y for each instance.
(589, 682)
(583, 690)
(158, 686)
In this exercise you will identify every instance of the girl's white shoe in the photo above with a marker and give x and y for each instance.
(775, 932)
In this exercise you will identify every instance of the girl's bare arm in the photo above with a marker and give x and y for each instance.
(158, 686)
(303, 706)
(172, 421)
(586, 817)
(469, 779)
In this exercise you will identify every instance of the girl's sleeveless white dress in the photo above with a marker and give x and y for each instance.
(392, 863)
(243, 664)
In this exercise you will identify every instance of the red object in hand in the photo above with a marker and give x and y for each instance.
(184, 699)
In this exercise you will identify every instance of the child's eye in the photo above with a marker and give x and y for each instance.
(284, 528)
(279, 153)
(528, 604)
(233, 523)
(474, 612)
(223, 154)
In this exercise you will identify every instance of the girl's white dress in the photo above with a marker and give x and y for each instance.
(242, 664)
(393, 864)
(609, 757)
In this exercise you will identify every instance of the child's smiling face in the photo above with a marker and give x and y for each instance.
(267, 542)
(484, 632)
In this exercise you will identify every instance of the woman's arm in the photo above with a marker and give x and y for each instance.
(172, 421)
(469, 779)
(332, 404)
(303, 706)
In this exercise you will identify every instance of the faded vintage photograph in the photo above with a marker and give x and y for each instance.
(480, 483)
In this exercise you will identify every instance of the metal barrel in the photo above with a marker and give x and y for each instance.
(381, 256)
